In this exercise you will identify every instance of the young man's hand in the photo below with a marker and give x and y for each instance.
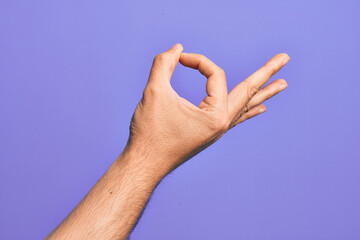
(170, 129)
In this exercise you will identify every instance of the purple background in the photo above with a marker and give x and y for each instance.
(72, 72)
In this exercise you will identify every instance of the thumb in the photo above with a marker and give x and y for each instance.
(164, 65)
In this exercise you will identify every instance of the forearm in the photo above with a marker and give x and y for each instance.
(112, 207)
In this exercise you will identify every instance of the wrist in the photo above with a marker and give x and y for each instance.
(144, 165)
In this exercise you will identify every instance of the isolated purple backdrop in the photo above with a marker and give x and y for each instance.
(72, 72)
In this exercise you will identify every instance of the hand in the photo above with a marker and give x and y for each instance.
(171, 130)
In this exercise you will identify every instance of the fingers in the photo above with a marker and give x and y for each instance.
(250, 114)
(216, 80)
(265, 93)
(244, 91)
(164, 65)
(254, 106)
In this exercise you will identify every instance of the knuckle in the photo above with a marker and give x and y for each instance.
(252, 90)
(220, 124)
(161, 58)
(246, 108)
(221, 72)
(271, 68)
(224, 125)
(202, 57)
(151, 91)
(164, 60)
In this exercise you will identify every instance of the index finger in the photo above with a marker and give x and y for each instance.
(216, 80)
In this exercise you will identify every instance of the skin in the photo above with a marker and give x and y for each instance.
(166, 130)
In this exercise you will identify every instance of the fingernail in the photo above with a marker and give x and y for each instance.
(176, 46)
(285, 60)
(261, 110)
(282, 86)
